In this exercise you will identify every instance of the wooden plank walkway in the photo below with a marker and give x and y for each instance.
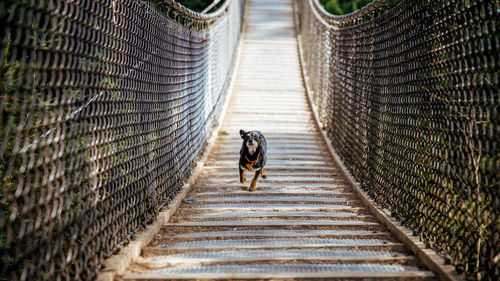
(303, 221)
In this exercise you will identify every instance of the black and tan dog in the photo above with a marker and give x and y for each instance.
(252, 156)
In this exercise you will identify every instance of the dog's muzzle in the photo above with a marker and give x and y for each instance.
(251, 143)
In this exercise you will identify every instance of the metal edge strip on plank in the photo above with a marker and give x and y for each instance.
(267, 222)
(281, 233)
(288, 271)
(276, 243)
(344, 255)
(297, 253)
(194, 261)
(274, 179)
(233, 214)
(275, 191)
(272, 199)
(332, 274)
(275, 184)
(279, 206)
(275, 168)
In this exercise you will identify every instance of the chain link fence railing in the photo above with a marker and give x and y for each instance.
(409, 97)
(105, 108)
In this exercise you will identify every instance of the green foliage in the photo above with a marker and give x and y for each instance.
(195, 5)
(342, 7)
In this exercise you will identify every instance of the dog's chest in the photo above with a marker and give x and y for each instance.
(251, 150)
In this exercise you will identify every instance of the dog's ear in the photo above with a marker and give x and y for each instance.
(259, 134)
(242, 134)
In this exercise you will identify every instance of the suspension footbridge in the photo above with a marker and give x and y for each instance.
(120, 141)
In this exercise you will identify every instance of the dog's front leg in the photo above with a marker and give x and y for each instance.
(249, 167)
(263, 176)
(242, 176)
(254, 180)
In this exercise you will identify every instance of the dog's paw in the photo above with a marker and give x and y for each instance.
(264, 176)
(243, 181)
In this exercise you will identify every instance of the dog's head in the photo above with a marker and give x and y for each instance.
(251, 140)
